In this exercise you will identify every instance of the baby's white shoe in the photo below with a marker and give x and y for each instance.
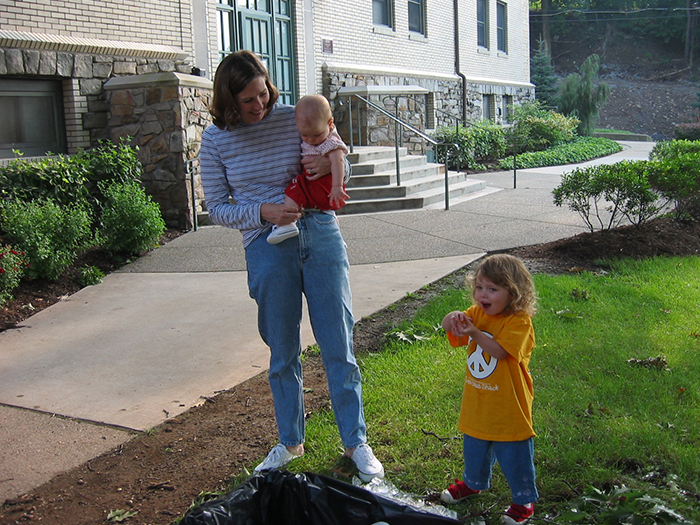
(282, 233)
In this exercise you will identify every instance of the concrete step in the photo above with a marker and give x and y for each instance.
(372, 187)
(416, 194)
(409, 171)
(362, 154)
(397, 198)
(380, 165)
(457, 190)
(413, 180)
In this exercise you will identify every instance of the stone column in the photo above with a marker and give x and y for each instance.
(164, 115)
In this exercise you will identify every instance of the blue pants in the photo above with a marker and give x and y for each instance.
(516, 459)
(314, 264)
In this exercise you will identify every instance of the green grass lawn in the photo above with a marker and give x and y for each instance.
(617, 400)
(602, 420)
(616, 131)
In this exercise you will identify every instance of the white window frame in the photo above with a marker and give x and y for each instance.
(420, 6)
(502, 26)
(488, 109)
(383, 13)
(507, 108)
(482, 23)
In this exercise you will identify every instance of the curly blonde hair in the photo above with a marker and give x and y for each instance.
(510, 273)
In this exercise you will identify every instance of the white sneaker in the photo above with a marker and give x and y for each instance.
(278, 457)
(368, 465)
(282, 233)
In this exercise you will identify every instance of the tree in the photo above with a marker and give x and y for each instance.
(543, 8)
(673, 21)
(691, 22)
(582, 96)
(542, 75)
(546, 26)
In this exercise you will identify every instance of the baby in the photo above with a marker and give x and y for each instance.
(319, 137)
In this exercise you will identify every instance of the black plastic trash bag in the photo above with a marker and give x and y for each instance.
(280, 497)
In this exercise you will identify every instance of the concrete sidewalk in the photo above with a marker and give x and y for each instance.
(177, 325)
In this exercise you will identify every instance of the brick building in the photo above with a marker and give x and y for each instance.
(75, 72)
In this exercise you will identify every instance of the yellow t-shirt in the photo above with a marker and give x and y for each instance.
(498, 394)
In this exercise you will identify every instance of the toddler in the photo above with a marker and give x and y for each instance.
(315, 124)
(496, 413)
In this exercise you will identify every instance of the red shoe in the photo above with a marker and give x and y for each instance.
(457, 492)
(518, 514)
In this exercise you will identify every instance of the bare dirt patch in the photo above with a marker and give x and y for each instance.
(651, 90)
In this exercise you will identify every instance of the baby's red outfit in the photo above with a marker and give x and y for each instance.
(314, 193)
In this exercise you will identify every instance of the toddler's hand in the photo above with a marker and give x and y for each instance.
(461, 324)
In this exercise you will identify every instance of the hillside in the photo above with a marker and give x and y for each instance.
(650, 89)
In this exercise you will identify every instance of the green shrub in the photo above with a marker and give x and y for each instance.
(676, 175)
(687, 131)
(59, 179)
(477, 143)
(580, 150)
(536, 128)
(622, 190)
(51, 235)
(674, 148)
(91, 275)
(73, 179)
(12, 268)
(489, 140)
(109, 162)
(582, 95)
(131, 222)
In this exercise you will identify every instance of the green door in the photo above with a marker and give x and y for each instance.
(264, 27)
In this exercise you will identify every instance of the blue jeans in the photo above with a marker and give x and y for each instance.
(517, 461)
(315, 264)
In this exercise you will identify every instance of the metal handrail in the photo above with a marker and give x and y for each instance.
(190, 171)
(451, 116)
(406, 125)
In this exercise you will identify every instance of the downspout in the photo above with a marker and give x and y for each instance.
(457, 71)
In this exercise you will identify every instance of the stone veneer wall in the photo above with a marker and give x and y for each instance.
(84, 65)
(164, 114)
(442, 107)
(164, 119)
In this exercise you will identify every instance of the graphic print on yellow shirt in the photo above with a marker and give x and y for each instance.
(497, 396)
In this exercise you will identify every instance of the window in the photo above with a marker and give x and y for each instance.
(502, 26)
(487, 108)
(383, 13)
(416, 16)
(430, 121)
(32, 113)
(482, 23)
(228, 35)
(507, 108)
(266, 28)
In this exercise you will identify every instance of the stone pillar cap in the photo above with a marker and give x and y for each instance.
(158, 80)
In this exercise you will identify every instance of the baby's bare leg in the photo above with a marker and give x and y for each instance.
(281, 233)
(289, 202)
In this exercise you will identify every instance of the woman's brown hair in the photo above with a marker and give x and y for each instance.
(234, 73)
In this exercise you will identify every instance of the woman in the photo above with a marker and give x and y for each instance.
(248, 157)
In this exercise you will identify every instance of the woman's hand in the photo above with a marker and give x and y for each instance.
(317, 166)
(279, 214)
